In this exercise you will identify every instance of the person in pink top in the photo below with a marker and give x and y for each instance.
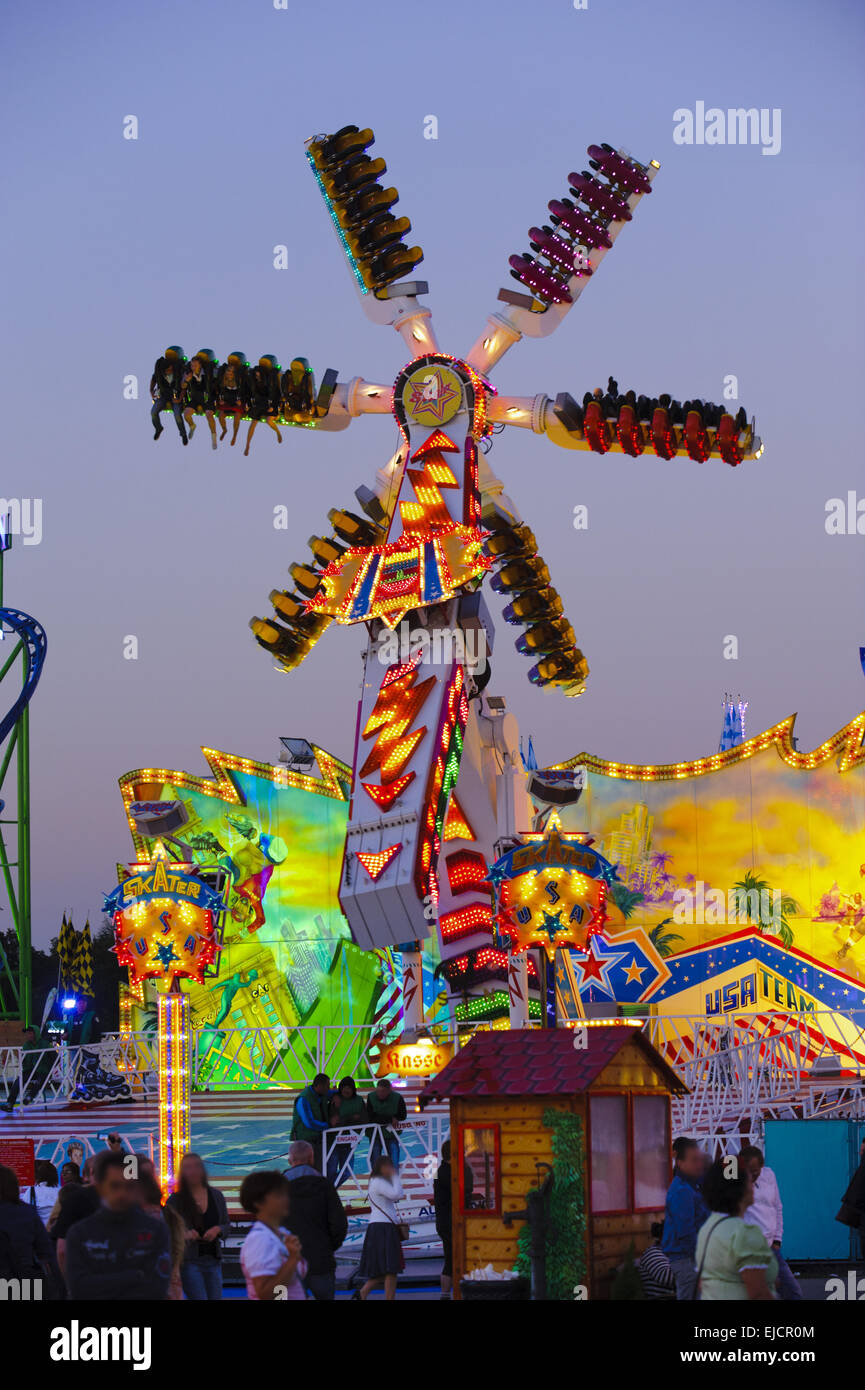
(270, 1257)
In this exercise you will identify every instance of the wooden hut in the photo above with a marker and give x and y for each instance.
(499, 1086)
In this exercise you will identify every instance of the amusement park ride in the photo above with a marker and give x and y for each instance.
(438, 792)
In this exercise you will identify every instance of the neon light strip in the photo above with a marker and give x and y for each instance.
(174, 1086)
(846, 745)
(339, 231)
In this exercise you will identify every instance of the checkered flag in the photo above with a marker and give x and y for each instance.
(66, 951)
(82, 966)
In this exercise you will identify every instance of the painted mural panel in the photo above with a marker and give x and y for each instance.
(762, 835)
(288, 964)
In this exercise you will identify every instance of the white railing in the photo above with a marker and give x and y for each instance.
(739, 1068)
(54, 1076)
(742, 1069)
(348, 1153)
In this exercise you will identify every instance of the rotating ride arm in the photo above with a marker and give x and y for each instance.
(523, 577)
(568, 253)
(630, 424)
(371, 236)
(585, 226)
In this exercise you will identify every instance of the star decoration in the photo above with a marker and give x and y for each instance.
(432, 397)
(165, 953)
(552, 924)
(596, 966)
(497, 875)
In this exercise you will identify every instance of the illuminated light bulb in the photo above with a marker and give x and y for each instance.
(375, 864)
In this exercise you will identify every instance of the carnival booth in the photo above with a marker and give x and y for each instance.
(582, 1116)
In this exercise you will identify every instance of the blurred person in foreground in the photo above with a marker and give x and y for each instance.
(26, 1252)
(270, 1256)
(120, 1252)
(685, 1211)
(204, 1213)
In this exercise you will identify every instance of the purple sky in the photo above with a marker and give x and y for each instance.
(738, 263)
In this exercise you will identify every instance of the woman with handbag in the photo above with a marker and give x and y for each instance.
(382, 1258)
(734, 1260)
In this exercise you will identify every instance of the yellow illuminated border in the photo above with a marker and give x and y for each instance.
(846, 745)
(174, 1086)
(222, 788)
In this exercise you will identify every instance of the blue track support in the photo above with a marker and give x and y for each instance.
(32, 634)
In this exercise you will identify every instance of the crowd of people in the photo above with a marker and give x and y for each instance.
(644, 407)
(231, 390)
(102, 1230)
(721, 1237)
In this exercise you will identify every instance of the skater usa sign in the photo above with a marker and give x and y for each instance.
(165, 923)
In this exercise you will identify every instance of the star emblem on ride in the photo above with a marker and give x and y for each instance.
(165, 954)
(595, 965)
(552, 924)
(432, 396)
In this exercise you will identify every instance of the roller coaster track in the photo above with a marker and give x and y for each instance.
(31, 646)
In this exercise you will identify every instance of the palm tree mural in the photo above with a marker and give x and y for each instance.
(757, 904)
(664, 941)
(149, 1020)
(625, 898)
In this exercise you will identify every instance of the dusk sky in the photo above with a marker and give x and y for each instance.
(739, 263)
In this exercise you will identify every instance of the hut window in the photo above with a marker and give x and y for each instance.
(651, 1151)
(480, 1178)
(608, 1121)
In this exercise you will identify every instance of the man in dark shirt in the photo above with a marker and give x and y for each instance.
(317, 1218)
(166, 392)
(119, 1252)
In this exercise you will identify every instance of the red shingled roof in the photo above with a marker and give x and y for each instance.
(541, 1062)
